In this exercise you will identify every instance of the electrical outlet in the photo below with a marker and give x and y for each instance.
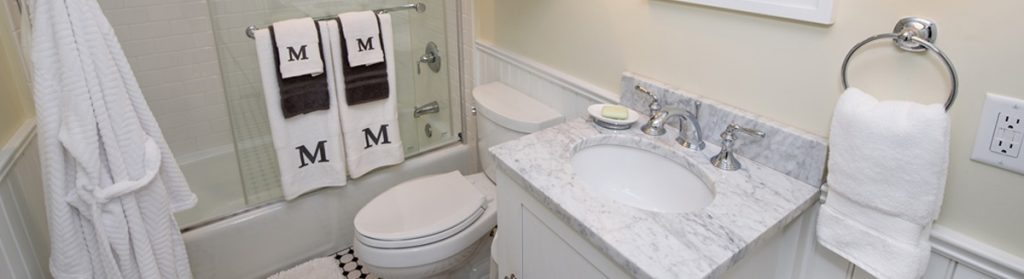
(1000, 133)
(1006, 142)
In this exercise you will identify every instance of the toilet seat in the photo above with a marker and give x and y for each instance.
(380, 243)
(420, 211)
(419, 260)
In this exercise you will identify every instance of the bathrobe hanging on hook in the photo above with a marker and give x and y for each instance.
(111, 181)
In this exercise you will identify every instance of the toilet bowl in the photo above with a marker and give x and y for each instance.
(427, 226)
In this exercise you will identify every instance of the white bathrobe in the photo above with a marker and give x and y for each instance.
(111, 182)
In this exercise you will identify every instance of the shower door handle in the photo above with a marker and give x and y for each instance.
(431, 57)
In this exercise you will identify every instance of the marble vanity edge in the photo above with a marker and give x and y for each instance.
(773, 230)
(786, 149)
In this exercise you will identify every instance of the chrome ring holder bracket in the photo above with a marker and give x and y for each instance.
(912, 34)
(914, 27)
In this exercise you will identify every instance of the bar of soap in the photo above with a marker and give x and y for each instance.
(615, 112)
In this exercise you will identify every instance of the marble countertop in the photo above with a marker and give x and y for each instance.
(750, 205)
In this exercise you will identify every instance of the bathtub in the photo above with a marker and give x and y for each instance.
(214, 176)
(262, 241)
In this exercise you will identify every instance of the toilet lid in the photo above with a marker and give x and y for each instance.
(512, 109)
(419, 208)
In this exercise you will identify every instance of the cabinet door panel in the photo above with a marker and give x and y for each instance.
(546, 255)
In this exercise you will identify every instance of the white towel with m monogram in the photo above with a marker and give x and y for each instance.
(298, 47)
(370, 130)
(362, 38)
(309, 147)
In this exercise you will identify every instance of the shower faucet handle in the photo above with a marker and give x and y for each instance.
(432, 57)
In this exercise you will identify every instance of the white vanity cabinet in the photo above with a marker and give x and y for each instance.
(533, 243)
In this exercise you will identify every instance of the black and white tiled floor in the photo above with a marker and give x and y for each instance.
(350, 266)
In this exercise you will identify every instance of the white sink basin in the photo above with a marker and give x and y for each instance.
(640, 178)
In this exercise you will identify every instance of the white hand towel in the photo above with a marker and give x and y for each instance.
(362, 37)
(298, 47)
(309, 147)
(370, 129)
(887, 174)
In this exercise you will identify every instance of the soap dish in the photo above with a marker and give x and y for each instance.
(613, 124)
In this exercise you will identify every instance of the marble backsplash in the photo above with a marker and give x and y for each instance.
(785, 149)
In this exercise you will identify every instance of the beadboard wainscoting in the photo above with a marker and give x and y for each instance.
(24, 245)
(560, 91)
(954, 255)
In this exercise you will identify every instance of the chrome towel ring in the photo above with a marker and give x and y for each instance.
(916, 35)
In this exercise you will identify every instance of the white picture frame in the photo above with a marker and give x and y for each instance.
(816, 11)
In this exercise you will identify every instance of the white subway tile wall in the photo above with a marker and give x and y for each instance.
(170, 46)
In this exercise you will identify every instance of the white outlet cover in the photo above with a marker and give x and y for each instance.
(997, 108)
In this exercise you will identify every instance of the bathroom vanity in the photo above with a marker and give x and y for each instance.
(557, 221)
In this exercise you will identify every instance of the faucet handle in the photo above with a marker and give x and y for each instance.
(645, 91)
(730, 132)
(655, 105)
(725, 159)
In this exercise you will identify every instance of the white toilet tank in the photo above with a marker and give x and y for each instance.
(506, 114)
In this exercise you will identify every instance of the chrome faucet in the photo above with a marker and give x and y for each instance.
(697, 142)
(725, 159)
(656, 124)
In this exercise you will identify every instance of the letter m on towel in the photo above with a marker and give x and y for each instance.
(376, 138)
(300, 54)
(318, 152)
(365, 45)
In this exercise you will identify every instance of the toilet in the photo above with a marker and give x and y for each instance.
(430, 225)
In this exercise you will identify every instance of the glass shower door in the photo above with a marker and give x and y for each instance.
(430, 118)
(247, 110)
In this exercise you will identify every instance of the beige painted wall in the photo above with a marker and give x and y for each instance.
(789, 71)
(15, 94)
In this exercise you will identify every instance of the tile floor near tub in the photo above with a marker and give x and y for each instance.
(477, 267)
(350, 266)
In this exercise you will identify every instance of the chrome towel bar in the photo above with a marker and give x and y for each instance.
(419, 7)
(916, 35)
